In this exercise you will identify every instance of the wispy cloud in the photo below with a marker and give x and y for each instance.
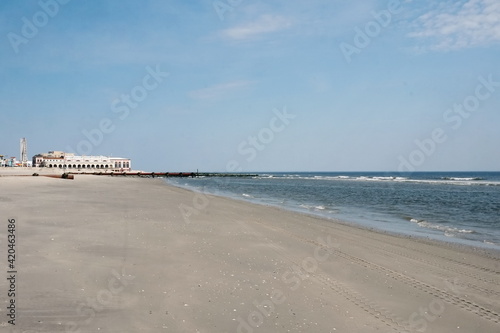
(458, 25)
(263, 25)
(219, 90)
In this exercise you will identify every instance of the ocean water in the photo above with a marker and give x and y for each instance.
(459, 207)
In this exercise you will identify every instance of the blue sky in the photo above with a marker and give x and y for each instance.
(255, 85)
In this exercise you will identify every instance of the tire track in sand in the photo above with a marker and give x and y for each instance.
(445, 268)
(419, 285)
(385, 316)
(457, 262)
(394, 322)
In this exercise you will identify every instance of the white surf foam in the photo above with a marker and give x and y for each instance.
(448, 231)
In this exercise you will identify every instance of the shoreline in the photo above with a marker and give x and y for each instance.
(118, 254)
(493, 252)
(451, 241)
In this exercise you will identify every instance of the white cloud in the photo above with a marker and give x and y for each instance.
(265, 24)
(219, 90)
(453, 26)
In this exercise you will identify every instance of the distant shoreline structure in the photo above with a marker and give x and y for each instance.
(65, 161)
(70, 161)
(56, 172)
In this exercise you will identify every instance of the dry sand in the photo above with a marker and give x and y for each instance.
(119, 255)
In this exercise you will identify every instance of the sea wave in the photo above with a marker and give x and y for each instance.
(448, 231)
(462, 178)
(461, 182)
(312, 207)
(458, 181)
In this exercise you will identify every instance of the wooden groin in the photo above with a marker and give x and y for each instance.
(71, 175)
(165, 174)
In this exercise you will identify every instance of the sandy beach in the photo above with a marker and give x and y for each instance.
(115, 254)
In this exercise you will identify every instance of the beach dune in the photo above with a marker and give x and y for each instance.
(118, 254)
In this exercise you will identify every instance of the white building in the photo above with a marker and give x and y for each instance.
(70, 161)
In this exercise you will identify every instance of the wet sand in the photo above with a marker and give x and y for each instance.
(117, 254)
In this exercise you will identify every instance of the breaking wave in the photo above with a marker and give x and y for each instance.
(448, 231)
(460, 181)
